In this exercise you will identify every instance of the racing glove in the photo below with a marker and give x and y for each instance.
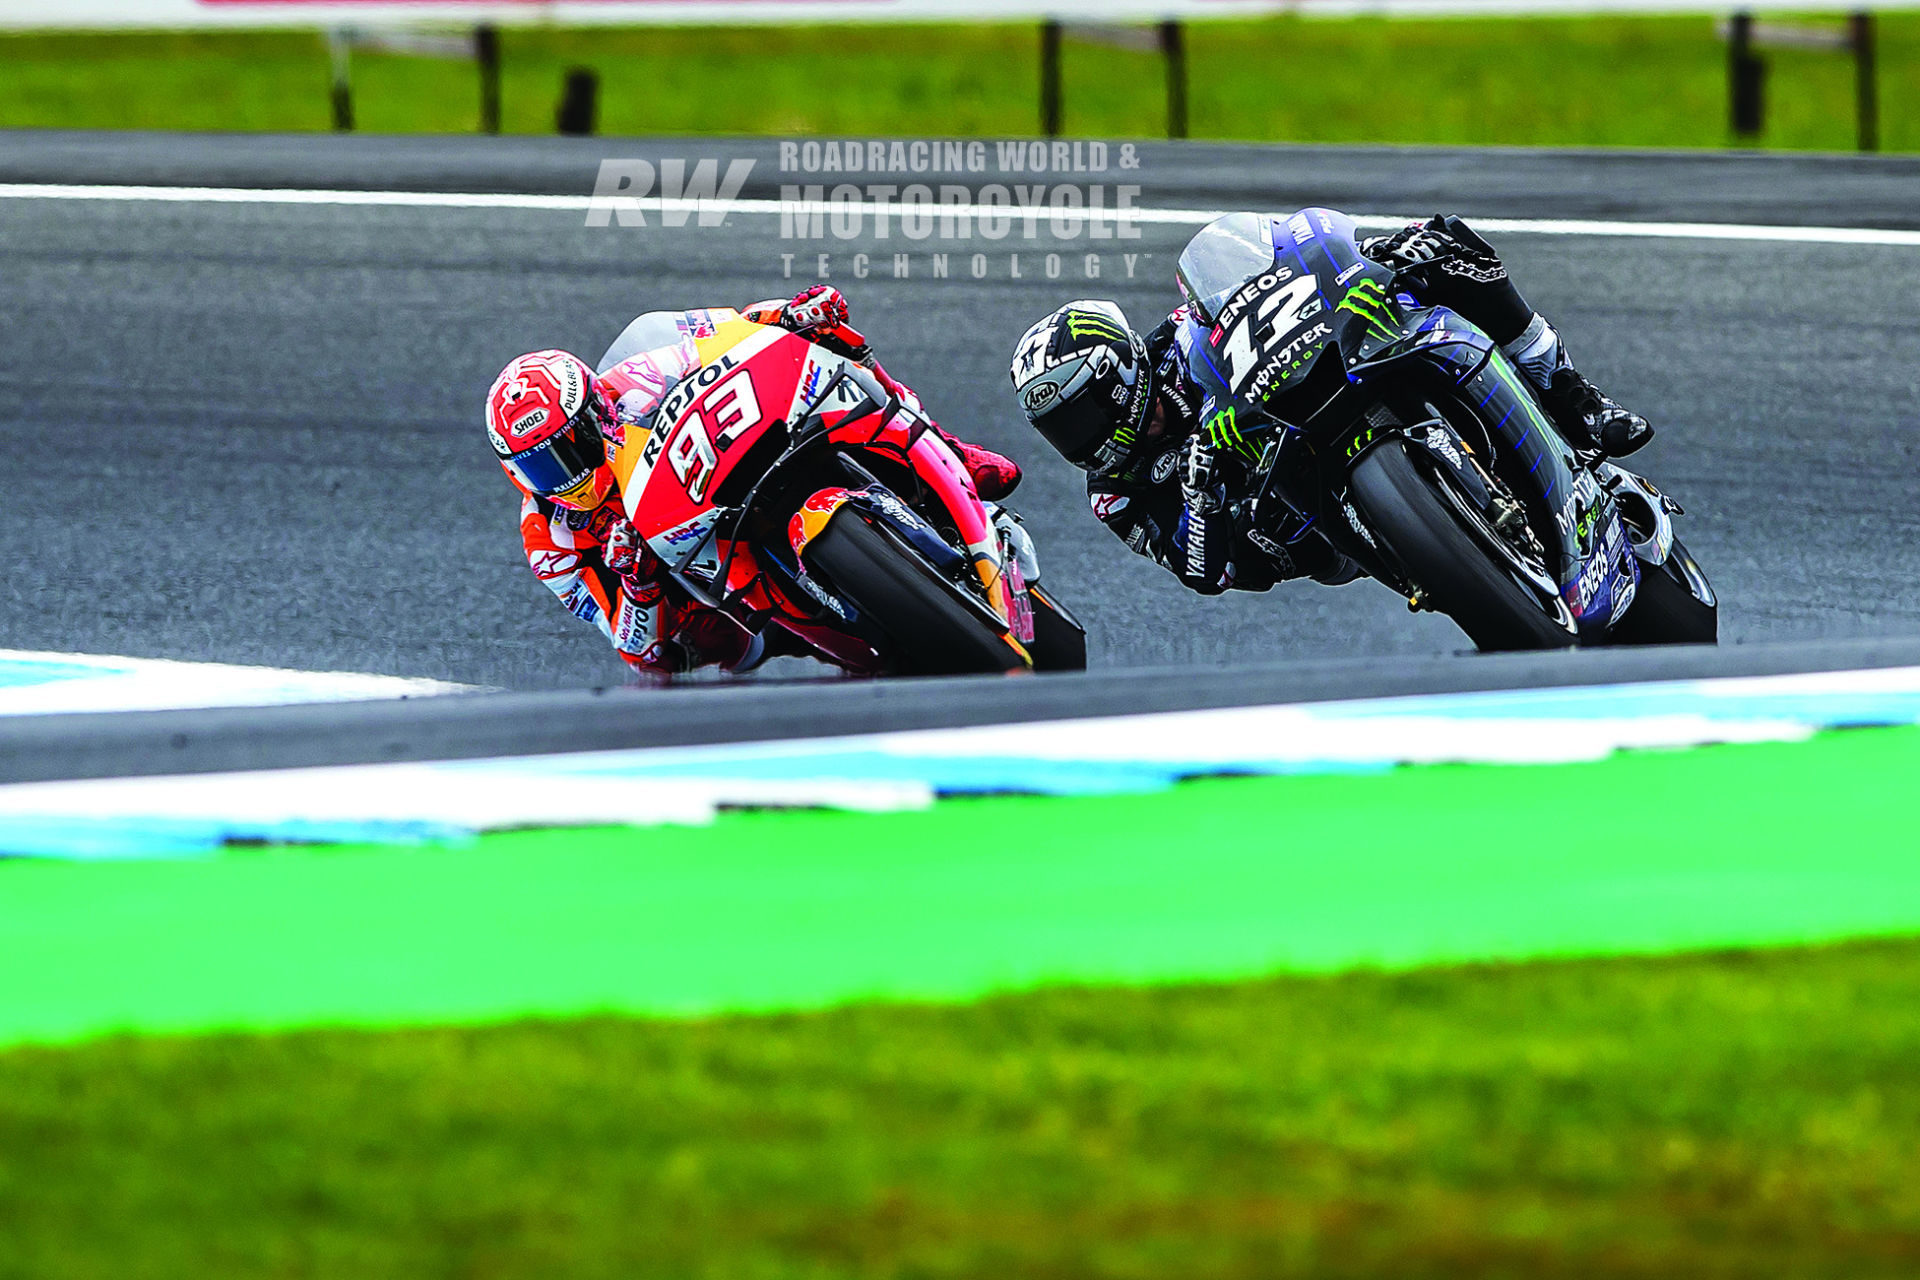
(819, 314)
(1449, 264)
(1199, 486)
(820, 307)
(1440, 240)
(1411, 246)
(627, 556)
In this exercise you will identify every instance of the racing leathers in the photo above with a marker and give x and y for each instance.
(1171, 502)
(605, 575)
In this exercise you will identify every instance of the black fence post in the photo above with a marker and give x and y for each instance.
(1746, 79)
(1867, 86)
(486, 51)
(340, 49)
(579, 102)
(1050, 78)
(1173, 44)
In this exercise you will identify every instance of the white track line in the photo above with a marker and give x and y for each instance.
(1167, 217)
(42, 683)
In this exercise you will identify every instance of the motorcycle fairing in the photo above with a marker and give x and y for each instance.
(760, 396)
(1272, 331)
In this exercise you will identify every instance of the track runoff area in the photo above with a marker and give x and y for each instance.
(942, 864)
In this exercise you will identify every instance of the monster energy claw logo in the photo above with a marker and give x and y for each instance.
(1225, 434)
(1091, 324)
(1368, 300)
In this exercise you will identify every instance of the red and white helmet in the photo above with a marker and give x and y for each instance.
(546, 419)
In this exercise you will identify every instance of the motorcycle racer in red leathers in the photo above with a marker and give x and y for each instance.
(552, 422)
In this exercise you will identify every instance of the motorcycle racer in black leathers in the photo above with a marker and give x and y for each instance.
(1127, 411)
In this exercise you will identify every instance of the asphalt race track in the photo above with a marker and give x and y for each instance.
(250, 433)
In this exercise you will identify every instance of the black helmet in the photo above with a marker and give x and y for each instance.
(1083, 380)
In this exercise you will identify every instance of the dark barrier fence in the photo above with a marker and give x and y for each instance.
(1168, 39)
(578, 109)
(1747, 71)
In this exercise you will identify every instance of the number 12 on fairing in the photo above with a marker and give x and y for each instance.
(725, 413)
(1282, 311)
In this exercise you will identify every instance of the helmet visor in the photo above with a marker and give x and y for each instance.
(1097, 421)
(562, 461)
(1077, 428)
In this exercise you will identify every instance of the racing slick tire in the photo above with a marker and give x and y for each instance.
(1462, 578)
(1675, 604)
(932, 632)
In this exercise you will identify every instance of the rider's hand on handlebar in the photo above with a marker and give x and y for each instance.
(1197, 482)
(626, 554)
(820, 307)
(819, 314)
(1415, 246)
(1443, 242)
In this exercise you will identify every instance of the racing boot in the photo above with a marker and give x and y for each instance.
(994, 475)
(1590, 418)
(1591, 422)
(773, 641)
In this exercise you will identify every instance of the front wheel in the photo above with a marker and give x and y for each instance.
(932, 632)
(1461, 577)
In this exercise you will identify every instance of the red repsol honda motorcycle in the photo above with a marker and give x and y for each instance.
(782, 484)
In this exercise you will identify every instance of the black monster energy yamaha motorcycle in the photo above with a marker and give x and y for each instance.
(1409, 440)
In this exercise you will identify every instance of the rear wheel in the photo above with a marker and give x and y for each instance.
(932, 632)
(1675, 605)
(1462, 577)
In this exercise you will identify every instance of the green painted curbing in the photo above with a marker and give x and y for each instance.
(1646, 852)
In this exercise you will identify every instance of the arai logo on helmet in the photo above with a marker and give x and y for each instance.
(1040, 395)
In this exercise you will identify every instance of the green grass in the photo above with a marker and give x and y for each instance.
(1723, 1115)
(1638, 81)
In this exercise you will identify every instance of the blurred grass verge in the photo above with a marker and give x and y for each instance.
(1733, 1114)
(1615, 81)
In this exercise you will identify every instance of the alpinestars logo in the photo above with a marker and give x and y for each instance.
(1091, 324)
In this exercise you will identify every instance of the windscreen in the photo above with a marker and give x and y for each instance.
(1225, 254)
(648, 331)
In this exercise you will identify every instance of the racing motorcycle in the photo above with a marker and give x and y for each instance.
(782, 484)
(1408, 439)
